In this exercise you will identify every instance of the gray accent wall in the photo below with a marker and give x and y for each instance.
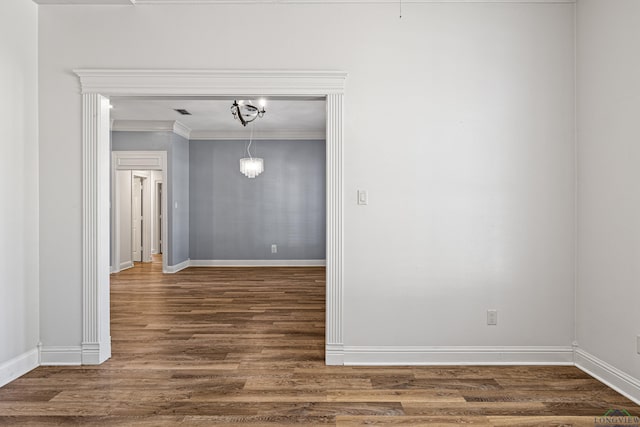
(177, 187)
(180, 194)
(233, 217)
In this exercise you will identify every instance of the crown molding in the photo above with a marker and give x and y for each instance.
(151, 126)
(262, 135)
(143, 125)
(181, 129)
(185, 132)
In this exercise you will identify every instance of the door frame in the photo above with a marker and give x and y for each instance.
(158, 213)
(145, 176)
(97, 85)
(138, 161)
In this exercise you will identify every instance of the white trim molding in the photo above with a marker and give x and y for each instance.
(419, 355)
(335, 294)
(156, 2)
(96, 341)
(175, 268)
(262, 135)
(181, 129)
(126, 265)
(174, 126)
(143, 125)
(257, 263)
(97, 84)
(159, 2)
(620, 381)
(211, 82)
(18, 366)
(62, 356)
(137, 160)
(245, 263)
(91, 2)
(184, 131)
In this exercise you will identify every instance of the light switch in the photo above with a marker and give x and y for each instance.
(363, 197)
(492, 317)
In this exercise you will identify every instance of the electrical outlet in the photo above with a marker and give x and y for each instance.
(274, 249)
(492, 317)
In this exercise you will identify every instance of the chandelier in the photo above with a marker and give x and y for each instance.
(251, 166)
(246, 112)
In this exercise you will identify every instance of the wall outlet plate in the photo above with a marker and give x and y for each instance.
(274, 249)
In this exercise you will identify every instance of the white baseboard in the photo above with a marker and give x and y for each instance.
(245, 263)
(258, 263)
(55, 356)
(175, 268)
(334, 355)
(124, 266)
(94, 353)
(410, 355)
(18, 366)
(620, 381)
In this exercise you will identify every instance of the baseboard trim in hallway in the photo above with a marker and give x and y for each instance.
(620, 381)
(257, 263)
(61, 355)
(18, 366)
(245, 263)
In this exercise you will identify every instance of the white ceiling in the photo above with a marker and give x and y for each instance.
(212, 118)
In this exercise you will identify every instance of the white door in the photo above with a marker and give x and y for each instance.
(136, 219)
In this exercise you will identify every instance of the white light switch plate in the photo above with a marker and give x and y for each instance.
(492, 317)
(363, 197)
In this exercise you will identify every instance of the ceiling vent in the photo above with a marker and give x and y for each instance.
(182, 111)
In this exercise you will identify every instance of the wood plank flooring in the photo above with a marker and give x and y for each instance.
(229, 346)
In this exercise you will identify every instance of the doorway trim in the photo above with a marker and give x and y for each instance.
(97, 85)
(135, 161)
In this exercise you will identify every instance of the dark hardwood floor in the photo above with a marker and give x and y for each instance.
(230, 346)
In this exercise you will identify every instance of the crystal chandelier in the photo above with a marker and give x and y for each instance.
(246, 112)
(251, 166)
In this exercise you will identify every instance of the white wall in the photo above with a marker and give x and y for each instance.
(608, 314)
(459, 123)
(19, 329)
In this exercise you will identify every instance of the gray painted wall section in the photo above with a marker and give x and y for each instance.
(179, 183)
(177, 149)
(233, 217)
